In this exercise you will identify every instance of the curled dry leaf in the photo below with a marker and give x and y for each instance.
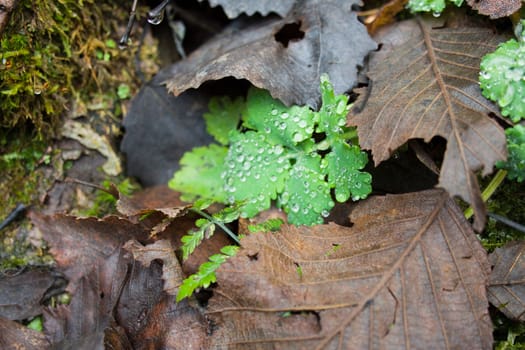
(284, 56)
(161, 249)
(78, 245)
(424, 83)
(410, 273)
(495, 8)
(234, 8)
(14, 336)
(20, 300)
(506, 285)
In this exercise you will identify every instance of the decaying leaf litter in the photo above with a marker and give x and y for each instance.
(407, 266)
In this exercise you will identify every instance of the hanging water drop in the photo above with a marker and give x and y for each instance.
(155, 18)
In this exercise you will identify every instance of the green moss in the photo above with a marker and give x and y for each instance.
(53, 51)
(508, 201)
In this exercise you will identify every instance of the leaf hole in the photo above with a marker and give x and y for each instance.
(253, 257)
(289, 32)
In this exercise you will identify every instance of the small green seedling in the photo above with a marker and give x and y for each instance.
(291, 156)
(502, 76)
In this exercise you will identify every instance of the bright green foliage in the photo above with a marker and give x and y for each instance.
(256, 172)
(36, 324)
(435, 6)
(206, 274)
(200, 174)
(274, 156)
(223, 116)
(206, 228)
(515, 164)
(502, 78)
(270, 225)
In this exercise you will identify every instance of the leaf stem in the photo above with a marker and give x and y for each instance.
(218, 223)
(489, 190)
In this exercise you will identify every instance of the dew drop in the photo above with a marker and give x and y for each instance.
(247, 165)
(297, 137)
(278, 149)
(294, 207)
(156, 18)
(240, 158)
(325, 213)
(285, 116)
(341, 106)
(282, 126)
(275, 111)
(273, 178)
(302, 124)
(436, 14)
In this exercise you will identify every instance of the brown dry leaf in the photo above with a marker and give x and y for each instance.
(384, 15)
(14, 336)
(233, 8)
(425, 84)
(506, 285)
(284, 56)
(78, 245)
(161, 249)
(21, 300)
(495, 8)
(158, 198)
(409, 274)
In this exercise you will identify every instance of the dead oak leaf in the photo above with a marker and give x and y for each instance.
(507, 279)
(233, 8)
(284, 56)
(424, 83)
(410, 273)
(80, 244)
(495, 8)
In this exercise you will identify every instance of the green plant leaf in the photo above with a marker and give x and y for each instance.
(270, 225)
(224, 116)
(274, 156)
(280, 124)
(515, 164)
(333, 112)
(343, 164)
(200, 174)
(502, 78)
(307, 198)
(205, 276)
(192, 240)
(435, 6)
(256, 171)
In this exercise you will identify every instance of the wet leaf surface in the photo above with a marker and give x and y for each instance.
(284, 56)
(495, 8)
(409, 273)
(20, 300)
(425, 84)
(233, 8)
(506, 289)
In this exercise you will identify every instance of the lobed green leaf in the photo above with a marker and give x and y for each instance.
(200, 174)
(224, 116)
(502, 78)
